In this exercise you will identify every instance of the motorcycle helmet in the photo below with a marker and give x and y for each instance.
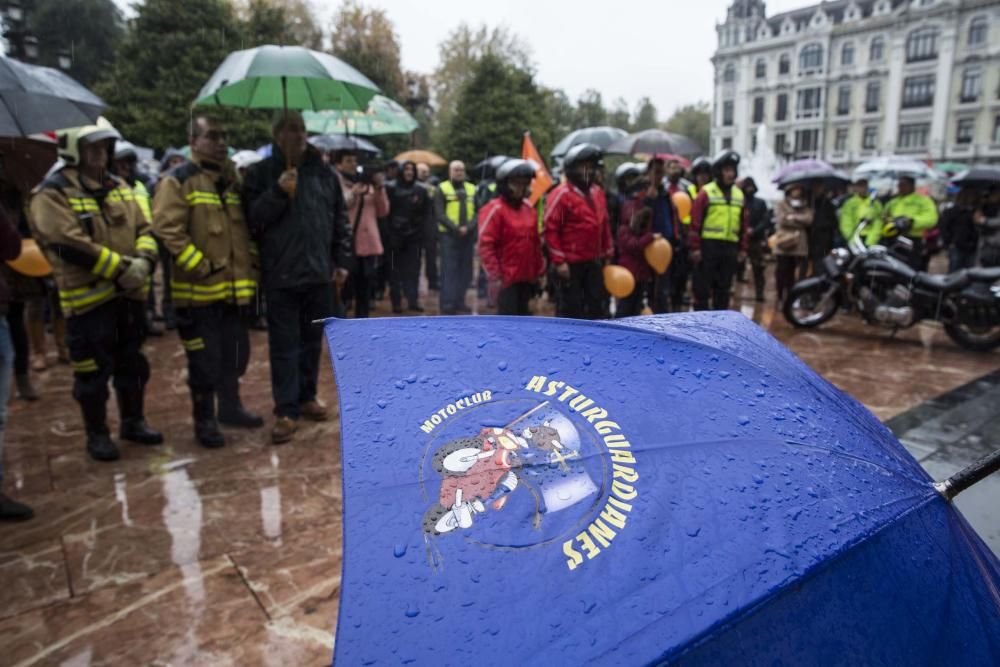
(125, 150)
(513, 168)
(72, 139)
(702, 164)
(579, 155)
(723, 158)
(626, 171)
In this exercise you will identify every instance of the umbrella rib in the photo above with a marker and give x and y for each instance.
(312, 101)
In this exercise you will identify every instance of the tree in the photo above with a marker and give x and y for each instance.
(494, 108)
(458, 55)
(590, 110)
(645, 116)
(693, 121)
(170, 52)
(366, 39)
(560, 113)
(619, 115)
(88, 31)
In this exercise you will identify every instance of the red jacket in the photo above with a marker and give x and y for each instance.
(699, 207)
(509, 245)
(576, 225)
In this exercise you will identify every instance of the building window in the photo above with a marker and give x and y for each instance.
(869, 138)
(876, 50)
(914, 136)
(921, 45)
(996, 130)
(977, 31)
(972, 85)
(966, 127)
(727, 142)
(811, 57)
(758, 109)
(780, 146)
(782, 111)
(809, 103)
(847, 54)
(784, 64)
(872, 93)
(729, 73)
(753, 142)
(760, 69)
(806, 142)
(840, 140)
(727, 113)
(918, 91)
(843, 100)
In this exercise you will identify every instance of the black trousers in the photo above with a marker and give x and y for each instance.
(295, 343)
(515, 299)
(713, 277)
(680, 273)
(362, 280)
(404, 273)
(106, 343)
(216, 339)
(430, 248)
(756, 256)
(631, 305)
(785, 269)
(18, 337)
(583, 296)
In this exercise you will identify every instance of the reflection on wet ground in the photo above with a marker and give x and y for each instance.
(180, 555)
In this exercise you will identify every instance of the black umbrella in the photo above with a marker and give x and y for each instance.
(488, 167)
(601, 136)
(978, 177)
(41, 99)
(25, 162)
(654, 141)
(342, 142)
(830, 176)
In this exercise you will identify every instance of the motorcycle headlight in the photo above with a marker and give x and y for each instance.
(841, 255)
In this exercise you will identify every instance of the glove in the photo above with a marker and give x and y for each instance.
(903, 224)
(206, 267)
(135, 275)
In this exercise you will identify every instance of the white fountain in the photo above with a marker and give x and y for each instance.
(762, 165)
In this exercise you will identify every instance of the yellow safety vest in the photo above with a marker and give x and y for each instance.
(142, 199)
(452, 204)
(724, 219)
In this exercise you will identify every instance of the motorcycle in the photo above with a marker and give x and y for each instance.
(887, 292)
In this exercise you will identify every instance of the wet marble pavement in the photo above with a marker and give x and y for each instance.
(176, 555)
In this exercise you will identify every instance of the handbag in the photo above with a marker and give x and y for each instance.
(784, 239)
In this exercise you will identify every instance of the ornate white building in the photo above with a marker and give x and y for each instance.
(851, 79)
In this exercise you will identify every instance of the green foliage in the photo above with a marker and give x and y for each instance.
(365, 39)
(590, 110)
(89, 30)
(645, 116)
(494, 108)
(693, 121)
(619, 115)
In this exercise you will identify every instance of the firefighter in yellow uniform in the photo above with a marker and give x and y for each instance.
(99, 243)
(198, 216)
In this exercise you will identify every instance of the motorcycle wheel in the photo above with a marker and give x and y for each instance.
(978, 339)
(804, 307)
(438, 460)
(431, 518)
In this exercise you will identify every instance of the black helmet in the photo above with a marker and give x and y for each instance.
(513, 168)
(583, 153)
(701, 163)
(626, 170)
(725, 157)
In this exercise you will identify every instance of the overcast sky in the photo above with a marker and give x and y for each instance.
(659, 48)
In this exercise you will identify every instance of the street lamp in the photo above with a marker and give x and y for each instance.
(30, 47)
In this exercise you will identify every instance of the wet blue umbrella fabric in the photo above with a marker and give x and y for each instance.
(547, 492)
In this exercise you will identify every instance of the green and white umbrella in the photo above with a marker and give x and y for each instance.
(286, 77)
(383, 116)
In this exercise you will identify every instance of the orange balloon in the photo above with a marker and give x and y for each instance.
(31, 262)
(658, 255)
(646, 311)
(682, 202)
(618, 280)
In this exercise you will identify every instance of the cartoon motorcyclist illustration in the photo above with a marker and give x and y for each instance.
(478, 473)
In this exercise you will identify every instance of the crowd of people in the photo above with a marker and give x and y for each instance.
(302, 235)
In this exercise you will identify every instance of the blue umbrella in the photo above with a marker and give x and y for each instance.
(549, 492)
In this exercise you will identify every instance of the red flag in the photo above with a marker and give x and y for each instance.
(543, 180)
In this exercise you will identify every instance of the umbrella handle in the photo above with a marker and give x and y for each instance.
(969, 475)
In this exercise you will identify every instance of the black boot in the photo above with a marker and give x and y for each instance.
(100, 446)
(134, 427)
(206, 428)
(231, 410)
(11, 510)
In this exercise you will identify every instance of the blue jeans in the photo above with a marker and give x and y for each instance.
(6, 368)
(959, 259)
(456, 269)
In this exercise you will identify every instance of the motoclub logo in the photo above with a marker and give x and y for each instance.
(547, 468)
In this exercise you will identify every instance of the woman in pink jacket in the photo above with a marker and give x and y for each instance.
(366, 202)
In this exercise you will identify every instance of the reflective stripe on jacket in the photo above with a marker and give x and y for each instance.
(198, 215)
(453, 205)
(724, 218)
